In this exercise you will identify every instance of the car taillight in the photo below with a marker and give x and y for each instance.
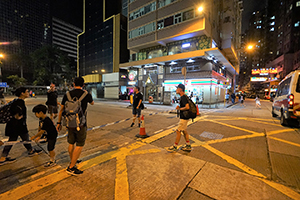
(291, 100)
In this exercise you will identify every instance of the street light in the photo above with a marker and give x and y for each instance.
(250, 47)
(200, 9)
(1, 55)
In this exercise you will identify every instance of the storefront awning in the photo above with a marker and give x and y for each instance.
(214, 53)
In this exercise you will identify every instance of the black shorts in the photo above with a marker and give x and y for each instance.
(51, 144)
(136, 111)
(52, 109)
(77, 137)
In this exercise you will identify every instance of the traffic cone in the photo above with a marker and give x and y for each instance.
(142, 133)
(198, 114)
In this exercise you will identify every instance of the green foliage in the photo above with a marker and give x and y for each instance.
(17, 81)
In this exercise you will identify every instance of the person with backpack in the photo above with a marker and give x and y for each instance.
(52, 102)
(184, 118)
(46, 125)
(17, 126)
(74, 105)
(137, 105)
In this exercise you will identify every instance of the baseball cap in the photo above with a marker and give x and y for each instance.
(181, 86)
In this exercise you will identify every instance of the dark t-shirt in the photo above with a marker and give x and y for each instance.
(14, 126)
(52, 98)
(77, 93)
(183, 102)
(136, 99)
(48, 126)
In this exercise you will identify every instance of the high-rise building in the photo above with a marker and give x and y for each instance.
(24, 28)
(64, 36)
(170, 37)
(101, 45)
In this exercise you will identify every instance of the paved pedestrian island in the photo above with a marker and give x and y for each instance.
(232, 158)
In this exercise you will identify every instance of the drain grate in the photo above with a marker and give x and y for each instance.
(214, 136)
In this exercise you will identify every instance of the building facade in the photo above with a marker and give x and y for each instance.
(178, 41)
(24, 28)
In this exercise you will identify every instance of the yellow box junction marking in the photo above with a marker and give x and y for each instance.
(285, 141)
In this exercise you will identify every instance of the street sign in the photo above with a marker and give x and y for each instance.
(3, 84)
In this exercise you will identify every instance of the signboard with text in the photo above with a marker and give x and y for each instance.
(264, 71)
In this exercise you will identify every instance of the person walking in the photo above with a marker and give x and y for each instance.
(137, 105)
(182, 127)
(233, 98)
(17, 126)
(76, 136)
(227, 97)
(2, 99)
(52, 102)
(257, 102)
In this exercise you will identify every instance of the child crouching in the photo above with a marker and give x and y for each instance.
(46, 125)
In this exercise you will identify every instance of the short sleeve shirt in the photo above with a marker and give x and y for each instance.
(52, 98)
(78, 93)
(48, 126)
(136, 99)
(183, 102)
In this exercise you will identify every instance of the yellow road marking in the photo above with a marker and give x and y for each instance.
(283, 189)
(235, 138)
(145, 152)
(279, 131)
(234, 162)
(258, 121)
(121, 181)
(285, 141)
(231, 126)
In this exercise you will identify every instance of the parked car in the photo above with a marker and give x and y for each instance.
(286, 103)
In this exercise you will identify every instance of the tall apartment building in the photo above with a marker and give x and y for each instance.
(64, 36)
(284, 34)
(24, 28)
(165, 37)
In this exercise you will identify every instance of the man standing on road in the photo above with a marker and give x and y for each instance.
(52, 102)
(137, 105)
(2, 100)
(184, 106)
(232, 97)
(75, 135)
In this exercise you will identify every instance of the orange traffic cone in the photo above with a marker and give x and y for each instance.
(142, 133)
(198, 114)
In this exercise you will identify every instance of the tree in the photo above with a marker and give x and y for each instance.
(17, 81)
(50, 65)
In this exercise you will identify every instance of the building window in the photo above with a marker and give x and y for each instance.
(188, 14)
(162, 3)
(142, 11)
(297, 3)
(297, 24)
(142, 30)
(177, 18)
(160, 24)
(169, 21)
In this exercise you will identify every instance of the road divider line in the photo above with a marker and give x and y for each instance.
(158, 131)
(231, 126)
(283, 189)
(284, 141)
(279, 131)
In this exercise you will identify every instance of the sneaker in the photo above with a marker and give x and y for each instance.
(186, 148)
(34, 152)
(50, 164)
(7, 161)
(172, 149)
(131, 124)
(77, 162)
(74, 171)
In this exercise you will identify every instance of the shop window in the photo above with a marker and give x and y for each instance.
(169, 21)
(188, 14)
(177, 18)
(155, 54)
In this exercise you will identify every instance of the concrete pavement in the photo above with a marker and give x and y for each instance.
(238, 153)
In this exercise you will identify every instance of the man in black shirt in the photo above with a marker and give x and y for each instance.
(74, 135)
(137, 104)
(184, 118)
(52, 101)
(46, 125)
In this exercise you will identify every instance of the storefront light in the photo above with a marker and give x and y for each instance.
(173, 63)
(190, 61)
(186, 45)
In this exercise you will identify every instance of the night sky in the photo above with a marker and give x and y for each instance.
(249, 7)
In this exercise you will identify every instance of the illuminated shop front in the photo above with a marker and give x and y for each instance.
(207, 90)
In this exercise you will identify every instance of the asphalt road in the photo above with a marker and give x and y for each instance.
(238, 153)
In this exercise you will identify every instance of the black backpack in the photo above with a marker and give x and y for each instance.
(5, 112)
(192, 112)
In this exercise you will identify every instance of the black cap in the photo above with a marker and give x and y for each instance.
(181, 86)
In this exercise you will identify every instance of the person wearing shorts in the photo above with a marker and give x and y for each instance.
(46, 125)
(182, 126)
(76, 138)
(136, 106)
(52, 101)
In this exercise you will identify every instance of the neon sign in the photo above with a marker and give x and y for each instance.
(257, 79)
(265, 71)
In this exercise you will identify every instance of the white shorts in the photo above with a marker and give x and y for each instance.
(182, 126)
